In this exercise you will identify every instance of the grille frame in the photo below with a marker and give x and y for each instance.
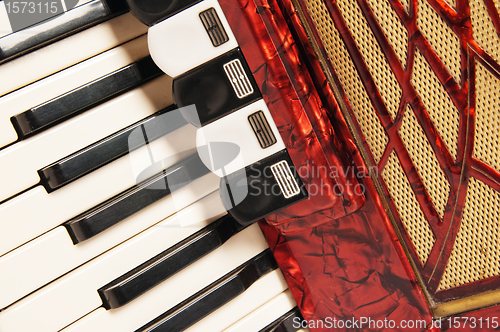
(240, 82)
(285, 179)
(213, 26)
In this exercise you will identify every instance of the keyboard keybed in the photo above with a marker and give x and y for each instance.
(47, 282)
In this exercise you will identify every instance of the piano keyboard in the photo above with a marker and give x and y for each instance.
(88, 242)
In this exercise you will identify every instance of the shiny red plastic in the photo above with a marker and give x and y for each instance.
(337, 265)
(300, 116)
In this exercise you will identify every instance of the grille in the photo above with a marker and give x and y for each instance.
(365, 114)
(406, 4)
(372, 54)
(238, 78)
(438, 104)
(440, 36)
(476, 253)
(487, 135)
(285, 179)
(262, 129)
(483, 29)
(428, 168)
(408, 208)
(214, 27)
(393, 28)
(425, 161)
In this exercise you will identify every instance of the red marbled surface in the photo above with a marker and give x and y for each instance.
(337, 265)
(299, 114)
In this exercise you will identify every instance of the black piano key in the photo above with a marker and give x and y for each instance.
(74, 102)
(246, 185)
(109, 213)
(151, 12)
(289, 322)
(149, 274)
(108, 149)
(217, 88)
(58, 27)
(214, 296)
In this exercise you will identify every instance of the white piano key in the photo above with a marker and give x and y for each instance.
(257, 295)
(265, 314)
(146, 276)
(181, 43)
(51, 308)
(236, 129)
(19, 163)
(35, 212)
(68, 51)
(64, 81)
(51, 255)
(78, 290)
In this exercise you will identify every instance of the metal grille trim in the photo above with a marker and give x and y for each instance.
(283, 175)
(262, 129)
(238, 78)
(214, 27)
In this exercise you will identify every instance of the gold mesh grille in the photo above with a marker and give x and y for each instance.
(452, 3)
(483, 29)
(441, 109)
(393, 28)
(425, 161)
(440, 36)
(382, 75)
(358, 98)
(408, 208)
(476, 253)
(487, 135)
(406, 4)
